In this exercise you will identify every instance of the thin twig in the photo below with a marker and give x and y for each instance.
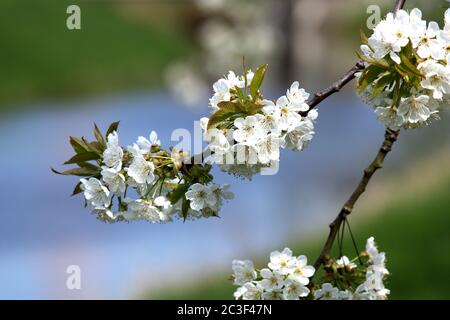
(336, 86)
(389, 139)
(399, 5)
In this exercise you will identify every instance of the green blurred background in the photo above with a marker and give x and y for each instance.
(136, 61)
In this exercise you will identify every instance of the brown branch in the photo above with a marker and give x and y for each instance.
(399, 5)
(389, 139)
(336, 86)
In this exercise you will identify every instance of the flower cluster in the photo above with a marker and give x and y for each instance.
(245, 131)
(289, 278)
(148, 182)
(286, 278)
(407, 74)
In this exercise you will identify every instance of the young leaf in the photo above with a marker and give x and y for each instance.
(89, 166)
(78, 145)
(363, 36)
(97, 147)
(226, 110)
(368, 76)
(257, 80)
(98, 135)
(240, 94)
(176, 194)
(82, 172)
(185, 208)
(82, 157)
(113, 127)
(379, 63)
(77, 189)
(409, 66)
(380, 85)
(252, 108)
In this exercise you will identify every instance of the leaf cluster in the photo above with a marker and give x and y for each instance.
(88, 155)
(244, 102)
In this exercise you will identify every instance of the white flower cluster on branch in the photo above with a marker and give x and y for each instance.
(246, 131)
(142, 181)
(290, 278)
(407, 74)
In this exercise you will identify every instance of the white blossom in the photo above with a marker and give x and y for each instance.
(270, 121)
(243, 271)
(141, 170)
(389, 117)
(96, 193)
(272, 280)
(426, 41)
(272, 295)
(145, 144)
(327, 292)
(297, 97)
(245, 153)
(113, 154)
(239, 292)
(253, 291)
(294, 290)
(297, 137)
(283, 261)
(165, 207)
(269, 149)
(248, 129)
(221, 93)
(301, 271)
(415, 108)
(200, 197)
(114, 180)
(345, 295)
(142, 210)
(288, 112)
(437, 78)
(344, 262)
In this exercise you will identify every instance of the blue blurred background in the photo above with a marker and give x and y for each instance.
(150, 64)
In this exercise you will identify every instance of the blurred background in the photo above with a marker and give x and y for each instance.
(151, 64)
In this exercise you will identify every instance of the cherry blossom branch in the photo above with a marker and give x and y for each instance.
(347, 77)
(390, 138)
(399, 5)
(336, 86)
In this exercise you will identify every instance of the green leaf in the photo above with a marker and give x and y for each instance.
(368, 76)
(226, 110)
(97, 147)
(82, 157)
(77, 189)
(381, 84)
(185, 208)
(377, 62)
(252, 108)
(402, 70)
(82, 172)
(176, 194)
(112, 127)
(363, 36)
(98, 135)
(240, 94)
(257, 80)
(409, 66)
(89, 166)
(78, 145)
